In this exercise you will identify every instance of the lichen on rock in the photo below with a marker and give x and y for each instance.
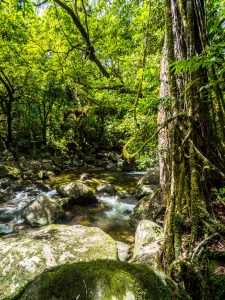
(43, 211)
(26, 255)
(148, 244)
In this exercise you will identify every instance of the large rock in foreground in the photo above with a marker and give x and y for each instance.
(106, 280)
(43, 211)
(148, 244)
(25, 256)
(77, 193)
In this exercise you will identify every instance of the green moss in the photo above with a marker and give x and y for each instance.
(10, 171)
(216, 278)
(100, 280)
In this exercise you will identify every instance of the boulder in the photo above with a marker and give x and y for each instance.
(25, 255)
(85, 176)
(148, 244)
(150, 178)
(144, 190)
(6, 228)
(77, 193)
(106, 189)
(43, 211)
(123, 251)
(151, 207)
(106, 280)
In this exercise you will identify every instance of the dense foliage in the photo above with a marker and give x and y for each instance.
(79, 76)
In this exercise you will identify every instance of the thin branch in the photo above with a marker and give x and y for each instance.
(85, 14)
(167, 122)
(90, 51)
(7, 81)
(10, 93)
(203, 243)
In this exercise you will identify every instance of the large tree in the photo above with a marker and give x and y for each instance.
(191, 149)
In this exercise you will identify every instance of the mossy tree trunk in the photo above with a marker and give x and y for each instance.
(192, 154)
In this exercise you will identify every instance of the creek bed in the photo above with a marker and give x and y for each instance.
(111, 213)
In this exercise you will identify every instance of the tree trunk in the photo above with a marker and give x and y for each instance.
(190, 144)
(9, 136)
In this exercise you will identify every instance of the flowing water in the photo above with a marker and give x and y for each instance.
(111, 213)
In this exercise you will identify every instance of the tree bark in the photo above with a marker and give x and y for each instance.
(190, 143)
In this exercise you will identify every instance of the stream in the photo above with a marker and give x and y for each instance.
(111, 213)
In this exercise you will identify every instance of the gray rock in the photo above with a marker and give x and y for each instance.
(150, 178)
(106, 189)
(6, 228)
(123, 251)
(43, 211)
(144, 190)
(151, 207)
(26, 255)
(85, 176)
(77, 193)
(148, 244)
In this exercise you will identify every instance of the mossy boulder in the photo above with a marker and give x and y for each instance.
(106, 280)
(43, 211)
(77, 193)
(148, 244)
(26, 255)
(151, 207)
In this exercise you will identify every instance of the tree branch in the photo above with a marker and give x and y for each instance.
(41, 3)
(90, 49)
